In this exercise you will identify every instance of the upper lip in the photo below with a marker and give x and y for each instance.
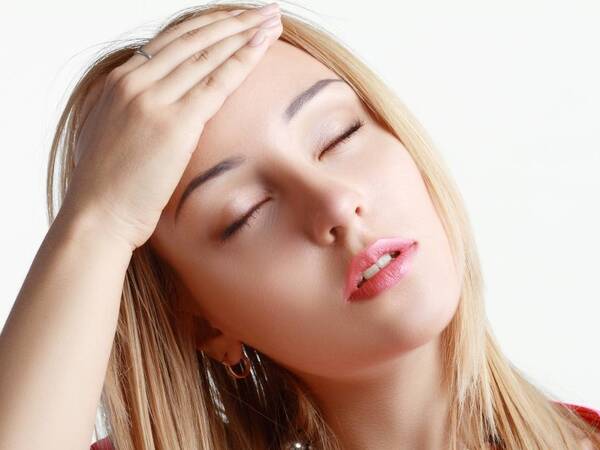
(369, 256)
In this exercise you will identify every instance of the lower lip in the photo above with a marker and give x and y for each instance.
(386, 277)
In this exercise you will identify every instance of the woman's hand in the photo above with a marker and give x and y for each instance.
(148, 116)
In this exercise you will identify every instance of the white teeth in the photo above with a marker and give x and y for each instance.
(383, 261)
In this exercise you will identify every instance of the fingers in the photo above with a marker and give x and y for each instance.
(189, 43)
(207, 96)
(200, 65)
(167, 35)
(176, 44)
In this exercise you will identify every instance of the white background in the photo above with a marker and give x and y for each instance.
(508, 90)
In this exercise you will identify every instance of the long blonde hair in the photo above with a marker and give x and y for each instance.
(161, 393)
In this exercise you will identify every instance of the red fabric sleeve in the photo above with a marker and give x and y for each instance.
(102, 444)
(591, 415)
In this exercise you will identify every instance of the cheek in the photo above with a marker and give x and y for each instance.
(397, 200)
(293, 299)
(429, 301)
(291, 310)
(272, 303)
(388, 174)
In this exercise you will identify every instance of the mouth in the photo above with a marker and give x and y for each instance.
(376, 262)
(363, 280)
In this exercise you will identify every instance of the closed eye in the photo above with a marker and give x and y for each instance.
(344, 136)
(246, 219)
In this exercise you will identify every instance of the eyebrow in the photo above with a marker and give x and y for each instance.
(235, 161)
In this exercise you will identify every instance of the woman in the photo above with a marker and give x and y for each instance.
(258, 247)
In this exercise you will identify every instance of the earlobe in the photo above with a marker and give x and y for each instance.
(233, 355)
(208, 337)
(220, 347)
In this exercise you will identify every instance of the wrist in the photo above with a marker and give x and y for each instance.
(90, 224)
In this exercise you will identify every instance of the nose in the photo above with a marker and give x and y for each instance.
(328, 207)
(336, 214)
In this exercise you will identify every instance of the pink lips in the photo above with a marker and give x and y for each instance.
(386, 277)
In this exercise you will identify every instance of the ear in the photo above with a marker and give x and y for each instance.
(209, 338)
(184, 301)
(220, 347)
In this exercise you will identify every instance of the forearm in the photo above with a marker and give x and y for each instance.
(55, 345)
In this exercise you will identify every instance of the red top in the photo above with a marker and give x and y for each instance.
(591, 415)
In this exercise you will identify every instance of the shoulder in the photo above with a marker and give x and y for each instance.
(590, 415)
(102, 444)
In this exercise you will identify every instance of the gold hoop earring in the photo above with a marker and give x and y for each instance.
(245, 362)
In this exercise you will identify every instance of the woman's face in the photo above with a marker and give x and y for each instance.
(277, 283)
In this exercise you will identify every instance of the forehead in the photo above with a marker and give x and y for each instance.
(257, 103)
(252, 112)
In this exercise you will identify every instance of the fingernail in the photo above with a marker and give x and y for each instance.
(269, 9)
(236, 12)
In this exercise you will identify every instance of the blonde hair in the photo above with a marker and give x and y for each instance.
(161, 393)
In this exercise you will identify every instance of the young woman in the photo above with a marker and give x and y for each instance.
(258, 247)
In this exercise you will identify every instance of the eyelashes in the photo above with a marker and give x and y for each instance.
(343, 137)
(245, 220)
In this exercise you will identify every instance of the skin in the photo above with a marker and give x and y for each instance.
(277, 284)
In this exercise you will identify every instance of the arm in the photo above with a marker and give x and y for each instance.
(55, 345)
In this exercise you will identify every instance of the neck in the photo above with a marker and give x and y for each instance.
(401, 404)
